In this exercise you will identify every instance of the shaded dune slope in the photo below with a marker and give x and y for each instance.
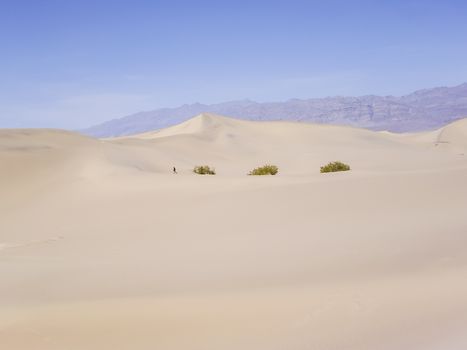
(102, 247)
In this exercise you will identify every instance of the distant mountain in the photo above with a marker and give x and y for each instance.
(421, 110)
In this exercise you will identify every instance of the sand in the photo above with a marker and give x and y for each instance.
(102, 247)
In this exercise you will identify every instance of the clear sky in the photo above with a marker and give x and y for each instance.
(73, 63)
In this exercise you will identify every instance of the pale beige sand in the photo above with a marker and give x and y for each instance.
(101, 247)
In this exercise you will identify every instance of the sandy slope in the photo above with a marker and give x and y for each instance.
(101, 247)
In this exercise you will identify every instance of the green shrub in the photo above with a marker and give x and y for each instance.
(265, 170)
(334, 166)
(204, 170)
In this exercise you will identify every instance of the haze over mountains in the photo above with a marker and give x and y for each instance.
(422, 110)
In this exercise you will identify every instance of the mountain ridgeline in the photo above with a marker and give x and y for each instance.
(418, 111)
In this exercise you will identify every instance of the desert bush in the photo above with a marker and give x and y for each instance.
(204, 170)
(334, 166)
(265, 170)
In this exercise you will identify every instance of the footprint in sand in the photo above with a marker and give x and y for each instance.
(7, 245)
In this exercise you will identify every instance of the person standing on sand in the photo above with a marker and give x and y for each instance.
(175, 170)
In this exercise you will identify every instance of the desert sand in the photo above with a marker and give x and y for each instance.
(102, 247)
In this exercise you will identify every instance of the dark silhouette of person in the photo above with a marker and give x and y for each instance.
(175, 170)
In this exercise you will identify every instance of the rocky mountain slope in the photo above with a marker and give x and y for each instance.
(421, 110)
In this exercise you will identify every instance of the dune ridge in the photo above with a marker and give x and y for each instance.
(102, 247)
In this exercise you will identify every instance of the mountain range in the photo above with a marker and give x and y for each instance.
(421, 110)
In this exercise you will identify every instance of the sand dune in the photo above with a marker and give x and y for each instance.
(102, 247)
(454, 136)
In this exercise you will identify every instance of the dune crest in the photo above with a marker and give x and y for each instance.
(103, 247)
(455, 135)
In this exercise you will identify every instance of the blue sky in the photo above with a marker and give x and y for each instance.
(74, 63)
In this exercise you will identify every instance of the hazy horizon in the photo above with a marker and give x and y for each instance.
(75, 64)
(305, 223)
